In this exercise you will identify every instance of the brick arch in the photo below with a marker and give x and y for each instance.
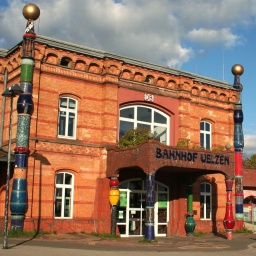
(204, 93)
(138, 76)
(127, 74)
(51, 58)
(66, 169)
(80, 65)
(172, 84)
(150, 79)
(195, 90)
(66, 62)
(213, 94)
(94, 68)
(223, 97)
(161, 82)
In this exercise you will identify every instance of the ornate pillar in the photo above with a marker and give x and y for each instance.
(18, 203)
(190, 222)
(150, 204)
(114, 195)
(238, 70)
(229, 221)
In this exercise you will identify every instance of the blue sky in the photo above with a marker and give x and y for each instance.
(205, 37)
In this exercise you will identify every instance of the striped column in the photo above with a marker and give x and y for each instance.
(18, 202)
(150, 204)
(238, 70)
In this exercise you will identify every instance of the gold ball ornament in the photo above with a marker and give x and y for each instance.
(237, 69)
(31, 12)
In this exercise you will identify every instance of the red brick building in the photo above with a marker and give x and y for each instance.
(84, 100)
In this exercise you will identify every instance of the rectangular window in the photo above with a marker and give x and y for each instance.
(67, 118)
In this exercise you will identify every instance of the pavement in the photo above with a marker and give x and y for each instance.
(82, 244)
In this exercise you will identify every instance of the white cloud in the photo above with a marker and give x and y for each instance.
(213, 37)
(159, 31)
(249, 145)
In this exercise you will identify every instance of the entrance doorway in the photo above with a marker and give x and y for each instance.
(131, 210)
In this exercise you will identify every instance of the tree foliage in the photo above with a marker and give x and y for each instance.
(134, 137)
(250, 162)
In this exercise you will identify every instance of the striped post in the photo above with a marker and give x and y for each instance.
(18, 202)
(238, 70)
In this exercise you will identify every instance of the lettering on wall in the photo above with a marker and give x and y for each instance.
(205, 158)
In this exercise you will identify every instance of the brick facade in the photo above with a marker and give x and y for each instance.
(102, 83)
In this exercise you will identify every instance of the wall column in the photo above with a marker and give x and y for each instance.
(150, 204)
(18, 202)
(238, 70)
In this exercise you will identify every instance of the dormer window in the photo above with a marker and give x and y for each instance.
(65, 62)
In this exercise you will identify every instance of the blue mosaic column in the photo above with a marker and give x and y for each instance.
(237, 71)
(150, 203)
(18, 202)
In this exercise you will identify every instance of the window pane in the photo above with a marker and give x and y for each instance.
(135, 185)
(202, 207)
(144, 126)
(63, 103)
(71, 123)
(202, 126)
(144, 114)
(202, 140)
(158, 118)
(127, 113)
(67, 207)
(161, 188)
(124, 127)
(208, 207)
(57, 208)
(68, 179)
(202, 187)
(207, 127)
(208, 188)
(161, 134)
(72, 104)
(208, 142)
(58, 202)
(59, 178)
(62, 123)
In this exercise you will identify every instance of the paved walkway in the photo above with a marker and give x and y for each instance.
(79, 244)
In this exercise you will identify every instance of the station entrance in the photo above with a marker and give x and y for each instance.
(131, 210)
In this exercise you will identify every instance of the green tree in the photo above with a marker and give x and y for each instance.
(134, 137)
(250, 162)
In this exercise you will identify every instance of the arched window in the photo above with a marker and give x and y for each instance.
(205, 135)
(205, 201)
(67, 118)
(64, 192)
(146, 117)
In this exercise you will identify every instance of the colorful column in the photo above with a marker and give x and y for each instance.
(229, 221)
(150, 204)
(18, 202)
(237, 71)
(190, 222)
(114, 196)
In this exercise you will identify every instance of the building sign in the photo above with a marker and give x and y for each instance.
(191, 156)
(148, 97)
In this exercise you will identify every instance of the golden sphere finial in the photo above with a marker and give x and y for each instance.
(237, 69)
(31, 12)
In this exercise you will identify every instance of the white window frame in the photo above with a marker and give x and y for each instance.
(67, 111)
(205, 133)
(205, 194)
(62, 197)
(151, 124)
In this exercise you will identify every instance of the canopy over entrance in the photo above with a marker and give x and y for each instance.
(152, 155)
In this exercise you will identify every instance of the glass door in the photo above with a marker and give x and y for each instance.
(131, 210)
(137, 213)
